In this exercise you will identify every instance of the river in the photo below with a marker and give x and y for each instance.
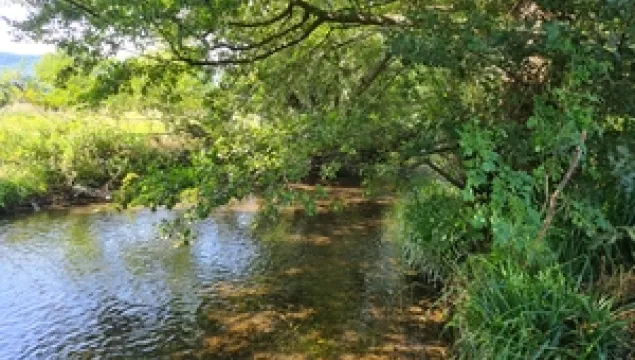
(94, 283)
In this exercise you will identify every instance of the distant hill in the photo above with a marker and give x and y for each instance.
(24, 63)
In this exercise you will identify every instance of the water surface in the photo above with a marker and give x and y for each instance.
(100, 284)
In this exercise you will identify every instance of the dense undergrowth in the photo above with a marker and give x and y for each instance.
(571, 299)
(57, 156)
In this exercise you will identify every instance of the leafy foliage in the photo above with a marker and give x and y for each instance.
(524, 108)
(433, 228)
(43, 157)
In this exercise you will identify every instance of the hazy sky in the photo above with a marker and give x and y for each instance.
(7, 41)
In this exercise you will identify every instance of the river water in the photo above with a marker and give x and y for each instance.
(94, 283)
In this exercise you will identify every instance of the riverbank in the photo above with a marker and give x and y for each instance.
(332, 198)
(72, 158)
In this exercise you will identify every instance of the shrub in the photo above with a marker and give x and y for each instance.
(596, 235)
(432, 226)
(18, 185)
(9, 193)
(41, 154)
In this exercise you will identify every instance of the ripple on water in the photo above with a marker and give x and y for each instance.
(102, 285)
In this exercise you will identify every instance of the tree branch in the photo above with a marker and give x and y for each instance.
(441, 149)
(286, 13)
(261, 43)
(369, 78)
(287, 34)
(236, 61)
(82, 7)
(553, 199)
(347, 16)
(444, 174)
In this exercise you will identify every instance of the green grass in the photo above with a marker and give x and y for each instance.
(506, 311)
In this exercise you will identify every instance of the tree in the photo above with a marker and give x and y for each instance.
(389, 84)
(524, 108)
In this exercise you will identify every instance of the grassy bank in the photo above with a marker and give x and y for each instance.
(566, 304)
(53, 157)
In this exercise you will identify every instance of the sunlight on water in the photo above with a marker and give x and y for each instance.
(101, 284)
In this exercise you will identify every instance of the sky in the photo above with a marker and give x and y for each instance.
(8, 43)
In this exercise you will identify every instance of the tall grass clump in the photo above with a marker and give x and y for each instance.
(595, 257)
(507, 311)
(431, 225)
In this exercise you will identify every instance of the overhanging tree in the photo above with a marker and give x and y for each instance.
(494, 96)
(523, 108)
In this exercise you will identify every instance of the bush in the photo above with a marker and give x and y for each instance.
(44, 155)
(18, 185)
(9, 193)
(432, 226)
(596, 237)
(506, 311)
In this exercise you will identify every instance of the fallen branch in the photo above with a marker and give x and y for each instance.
(95, 193)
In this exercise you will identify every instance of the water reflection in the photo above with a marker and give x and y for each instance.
(100, 284)
(324, 287)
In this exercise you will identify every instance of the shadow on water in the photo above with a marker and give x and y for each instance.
(328, 287)
(100, 284)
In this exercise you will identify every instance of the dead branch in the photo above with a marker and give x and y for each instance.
(553, 199)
